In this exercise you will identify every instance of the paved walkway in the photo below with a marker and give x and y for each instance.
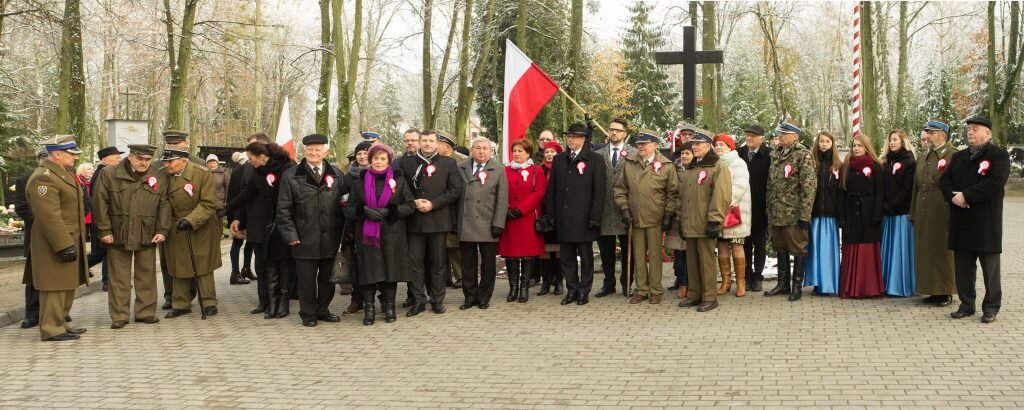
(753, 351)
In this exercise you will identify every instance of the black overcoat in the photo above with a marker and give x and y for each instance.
(898, 183)
(255, 206)
(827, 195)
(390, 262)
(759, 169)
(439, 182)
(310, 212)
(980, 227)
(860, 209)
(576, 197)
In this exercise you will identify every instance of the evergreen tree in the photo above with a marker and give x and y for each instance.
(938, 103)
(650, 95)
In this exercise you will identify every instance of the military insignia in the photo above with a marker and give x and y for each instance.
(430, 170)
(271, 178)
(580, 166)
(657, 166)
(896, 167)
(189, 188)
(983, 167)
(866, 171)
(42, 190)
(329, 180)
(788, 170)
(701, 177)
(151, 181)
(482, 175)
(46, 172)
(942, 164)
(525, 174)
(392, 184)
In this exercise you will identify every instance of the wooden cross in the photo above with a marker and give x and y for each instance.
(689, 58)
(127, 96)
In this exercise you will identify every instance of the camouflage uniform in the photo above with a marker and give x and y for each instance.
(790, 197)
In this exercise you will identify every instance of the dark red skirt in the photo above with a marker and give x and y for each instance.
(860, 273)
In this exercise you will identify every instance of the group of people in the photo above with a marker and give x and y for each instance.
(903, 223)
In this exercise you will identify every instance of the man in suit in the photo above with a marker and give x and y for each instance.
(757, 155)
(614, 154)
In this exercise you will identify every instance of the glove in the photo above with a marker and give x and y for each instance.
(714, 230)
(803, 225)
(375, 214)
(627, 218)
(496, 231)
(68, 254)
(589, 120)
(184, 225)
(594, 225)
(666, 222)
(513, 213)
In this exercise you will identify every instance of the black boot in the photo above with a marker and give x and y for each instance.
(556, 276)
(514, 267)
(798, 279)
(284, 280)
(389, 312)
(273, 292)
(782, 287)
(369, 313)
(545, 286)
(524, 279)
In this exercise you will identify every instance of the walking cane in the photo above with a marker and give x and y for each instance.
(629, 262)
(195, 274)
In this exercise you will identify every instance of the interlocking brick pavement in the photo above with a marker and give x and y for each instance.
(753, 351)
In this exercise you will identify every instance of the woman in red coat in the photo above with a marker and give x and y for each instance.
(520, 244)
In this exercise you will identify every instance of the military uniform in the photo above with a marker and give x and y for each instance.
(132, 208)
(929, 213)
(58, 241)
(792, 180)
(192, 197)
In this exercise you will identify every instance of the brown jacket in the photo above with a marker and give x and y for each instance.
(56, 201)
(707, 192)
(199, 208)
(648, 194)
(133, 208)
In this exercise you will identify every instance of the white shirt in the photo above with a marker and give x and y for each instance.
(611, 149)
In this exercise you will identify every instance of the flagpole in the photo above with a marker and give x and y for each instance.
(566, 95)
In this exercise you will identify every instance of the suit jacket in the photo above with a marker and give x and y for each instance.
(439, 182)
(576, 190)
(759, 169)
(611, 219)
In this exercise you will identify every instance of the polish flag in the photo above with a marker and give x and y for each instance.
(527, 90)
(284, 131)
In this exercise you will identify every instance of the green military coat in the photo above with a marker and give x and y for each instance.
(56, 201)
(132, 208)
(649, 191)
(792, 181)
(706, 194)
(192, 196)
(929, 213)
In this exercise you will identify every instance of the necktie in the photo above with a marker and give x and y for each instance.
(477, 170)
(750, 155)
(615, 156)
(572, 155)
(316, 173)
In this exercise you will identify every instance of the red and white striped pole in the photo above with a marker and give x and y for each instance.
(856, 70)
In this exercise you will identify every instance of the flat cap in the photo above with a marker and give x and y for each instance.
(142, 149)
(313, 139)
(755, 129)
(108, 151)
(980, 121)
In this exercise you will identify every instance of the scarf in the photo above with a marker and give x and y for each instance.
(858, 163)
(371, 229)
(516, 165)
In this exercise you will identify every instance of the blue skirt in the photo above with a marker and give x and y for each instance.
(898, 255)
(821, 268)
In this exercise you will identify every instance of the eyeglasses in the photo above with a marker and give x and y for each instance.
(615, 130)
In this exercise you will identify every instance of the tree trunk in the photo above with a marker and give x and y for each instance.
(463, 89)
(521, 25)
(428, 88)
(484, 61)
(884, 82)
(1000, 96)
(443, 74)
(180, 70)
(709, 104)
(346, 71)
(767, 24)
(323, 95)
(257, 112)
(575, 57)
(869, 98)
(71, 87)
(899, 112)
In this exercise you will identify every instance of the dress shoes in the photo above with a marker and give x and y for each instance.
(689, 302)
(67, 319)
(944, 301)
(707, 306)
(484, 305)
(960, 314)
(259, 309)
(75, 330)
(449, 284)
(210, 311)
(330, 317)
(637, 298)
(118, 324)
(754, 286)
(408, 303)
(63, 337)
(417, 309)
(655, 299)
(177, 312)
(467, 305)
(352, 309)
(309, 322)
(674, 286)
(149, 320)
(437, 308)
(988, 317)
(582, 300)
(166, 305)
(106, 287)
(931, 300)
(604, 292)
(457, 284)
(29, 323)
(571, 297)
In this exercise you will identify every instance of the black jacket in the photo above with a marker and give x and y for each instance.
(240, 177)
(898, 182)
(860, 210)
(982, 180)
(759, 169)
(439, 182)
(826, 196)
(381, 264)
(23, 210)
(577, 199)
(310, 212)
(255, 206)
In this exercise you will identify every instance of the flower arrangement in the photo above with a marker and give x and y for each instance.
(9, 220)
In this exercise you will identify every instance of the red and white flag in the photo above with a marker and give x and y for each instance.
(527, 90)
(284, 131)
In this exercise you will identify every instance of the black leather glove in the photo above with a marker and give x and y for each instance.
(184, 225)
(68, 254)
(666, 222)
(496, 231)
(594, 225)
(513, 213)
(803, 225)
(714, 230)
(589, 120)
(375, 214)
(627, 218)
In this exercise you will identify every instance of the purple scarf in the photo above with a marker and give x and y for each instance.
(371, 229)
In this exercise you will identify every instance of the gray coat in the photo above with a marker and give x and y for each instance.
(611, 220)
(484, 204)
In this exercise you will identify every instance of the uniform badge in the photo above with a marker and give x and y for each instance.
(271, 178)
(788, 170)
(329, 180)
(42, 190)
(189, 188)
(983, 167)
(942, 164)
(657, 166)
(525, 174)
(866, 171)
(701, 177)
(46, 172)
(482, 175)
(896, 167)
(392, 184)
(580, 166)
(151, 181)
(430, 170)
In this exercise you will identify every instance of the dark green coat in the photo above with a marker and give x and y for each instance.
(56, 201)
(929, 213)
(130, 207)
(200, 208)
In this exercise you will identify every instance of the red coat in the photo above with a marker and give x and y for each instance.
(520, 239)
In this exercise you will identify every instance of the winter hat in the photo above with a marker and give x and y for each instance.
(380, 147)
(727, 140)
(553, 145)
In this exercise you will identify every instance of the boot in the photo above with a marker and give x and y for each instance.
(741, 277)
(369, 314)
(524, 280)
(723, 266)
(273, 292)
(782, 287)
(247, 274)
(514, 266)
(389, 312)
(284, 280)
(235, 276)
(798, 279)
(559, 283)
(545, 286)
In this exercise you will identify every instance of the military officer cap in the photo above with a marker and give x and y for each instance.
(313, 139)
(980, 121)
(755, 129)
(936, 125)
(108, 151)
(701, 135)
(443, 137)
(171, 154)
(142, 150)
(62, 143)
(683, 126)
(645, 135)
(787, 127)
(369, 135)
(174, 136)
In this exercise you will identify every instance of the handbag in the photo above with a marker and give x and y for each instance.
(733, 217)
(342, 272)
(543, 224)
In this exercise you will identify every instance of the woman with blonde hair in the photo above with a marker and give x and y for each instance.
(822, 263)
(860, 216)
(900, 163)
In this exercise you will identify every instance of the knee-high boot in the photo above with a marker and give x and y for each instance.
(798, 279)
(524, 279)
(285, 280)
(273, 292)
(782, 287)
(741, 277)
(514, 268)
(723, 266)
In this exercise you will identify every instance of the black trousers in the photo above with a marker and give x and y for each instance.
(427, 255)
(31, 302)
(606, 246)
(315, 288)
(966, 274)
(478, 290)
(580, 281)
(754, 248)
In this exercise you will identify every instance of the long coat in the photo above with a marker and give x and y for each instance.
(827, 194)
(24, 210)
(526, 188)
(437, 181)
(740, 195)
(982, 179)
(131, 208)
(707, 192)
(611, 219)
(860, 209)
(898, 182)
(220, 183)
(674, 238)
(390, 262)
(484, 203)
(759, 169)
(258, 220)
(56, 201)
(649, 194)
(929, 213)
(309, 211)
(576, 190)
(200, 209)
(239, 179)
